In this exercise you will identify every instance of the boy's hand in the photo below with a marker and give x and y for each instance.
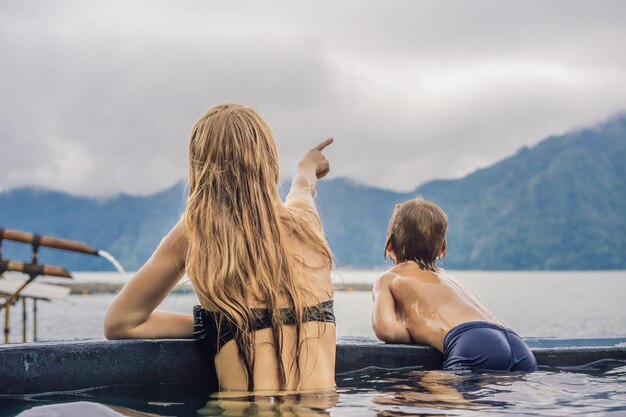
(315, 160)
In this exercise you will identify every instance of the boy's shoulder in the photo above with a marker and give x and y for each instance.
(391, 277)
(413, 273)
(386, 278)
(395, 272)
(405, 269)
(410, 271)
(400, 285)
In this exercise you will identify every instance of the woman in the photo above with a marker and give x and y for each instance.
(261, 268)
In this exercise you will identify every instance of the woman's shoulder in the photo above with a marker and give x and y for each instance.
(304, 210)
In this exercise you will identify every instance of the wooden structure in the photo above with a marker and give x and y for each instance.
(33, 269)
(35, 292)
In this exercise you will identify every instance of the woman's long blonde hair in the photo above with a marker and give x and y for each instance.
(237, 230)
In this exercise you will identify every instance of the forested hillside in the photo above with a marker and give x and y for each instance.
(558, 205)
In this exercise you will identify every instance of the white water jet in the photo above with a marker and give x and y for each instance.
(111, 259)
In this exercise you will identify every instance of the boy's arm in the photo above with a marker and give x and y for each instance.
(385, 322)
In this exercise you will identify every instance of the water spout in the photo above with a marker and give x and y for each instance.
(111, 259)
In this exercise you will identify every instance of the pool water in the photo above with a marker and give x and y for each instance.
(597, 388)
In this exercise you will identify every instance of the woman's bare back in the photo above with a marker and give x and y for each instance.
(318, 339)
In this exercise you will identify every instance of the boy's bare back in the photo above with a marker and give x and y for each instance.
(418, 302)
(429, 304)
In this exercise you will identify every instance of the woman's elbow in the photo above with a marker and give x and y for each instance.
(112, 332)
(113, 335)
(115, 329)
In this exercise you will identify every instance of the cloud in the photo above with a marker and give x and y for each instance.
(100, 97)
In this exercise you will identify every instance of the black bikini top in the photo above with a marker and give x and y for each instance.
(206, 323)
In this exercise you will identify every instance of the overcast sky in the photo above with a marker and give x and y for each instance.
(100, 97)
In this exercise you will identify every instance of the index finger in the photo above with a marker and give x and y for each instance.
(324, 144)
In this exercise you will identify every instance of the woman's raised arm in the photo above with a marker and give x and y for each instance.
(132, 315)
(311, 167)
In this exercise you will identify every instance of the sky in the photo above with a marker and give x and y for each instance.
(98, 98)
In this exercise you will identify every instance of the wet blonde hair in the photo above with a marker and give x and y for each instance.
(417, 232)
(237, 229)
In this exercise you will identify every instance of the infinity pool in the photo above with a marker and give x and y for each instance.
(597, 388)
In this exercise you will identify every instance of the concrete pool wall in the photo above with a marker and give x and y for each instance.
(32, 368)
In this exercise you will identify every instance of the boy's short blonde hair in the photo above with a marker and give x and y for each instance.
(417, 232)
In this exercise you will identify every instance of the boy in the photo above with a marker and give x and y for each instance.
(417, 302)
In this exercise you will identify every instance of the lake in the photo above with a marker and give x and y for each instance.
(536, 304)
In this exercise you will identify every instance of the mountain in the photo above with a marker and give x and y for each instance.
(129, 227)
(558, 205)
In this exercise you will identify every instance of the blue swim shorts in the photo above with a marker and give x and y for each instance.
(486, 347)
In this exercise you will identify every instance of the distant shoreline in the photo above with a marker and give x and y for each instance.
(92, 288)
